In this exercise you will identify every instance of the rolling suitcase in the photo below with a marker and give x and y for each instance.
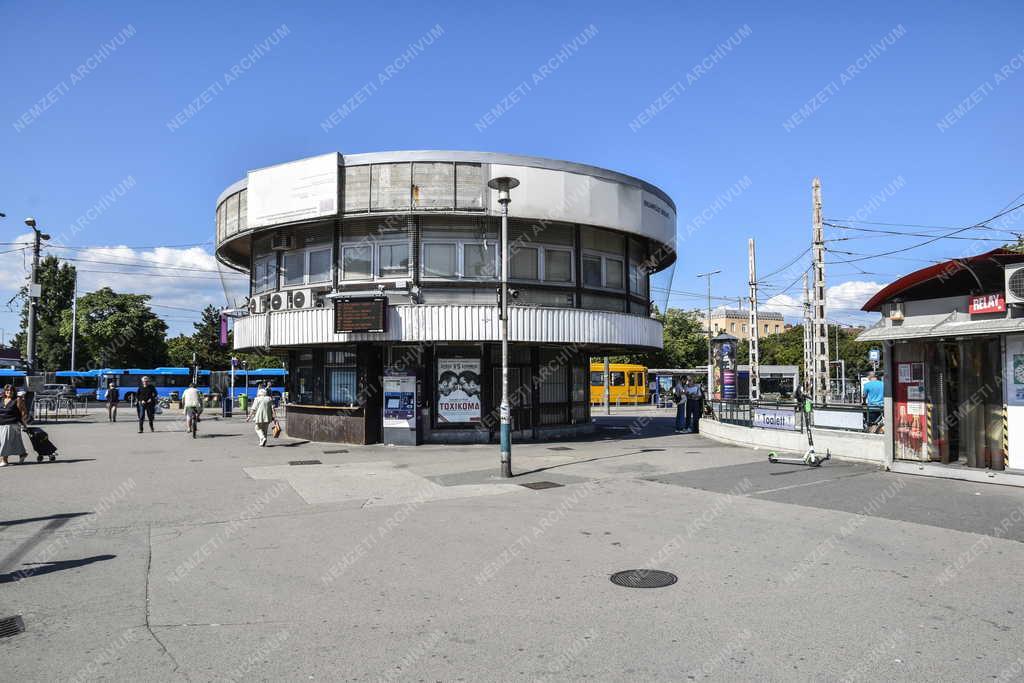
(41, 444)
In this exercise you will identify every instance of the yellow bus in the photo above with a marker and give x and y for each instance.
(627, 385)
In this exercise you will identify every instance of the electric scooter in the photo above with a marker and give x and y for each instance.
(810, 458)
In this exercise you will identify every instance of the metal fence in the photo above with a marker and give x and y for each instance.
(845, 417)
(54, 408)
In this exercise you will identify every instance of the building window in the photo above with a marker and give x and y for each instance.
(357, 262)
(600, 270)
(592, 271)
(340, 378)
(557, 265)
(459, 259)
(393, 260)
(523, 264)
(479, 260)
(744, 328)
(439, 260)
(732, 327)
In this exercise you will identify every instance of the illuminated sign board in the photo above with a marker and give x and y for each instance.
(361, 315)
(988, 303)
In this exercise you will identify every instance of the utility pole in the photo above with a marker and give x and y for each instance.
(607, 388)
(504, 185)
(708, 275)
(74, 321)
(34, 292)
(754, 390)
(808, 340)
(820, 324)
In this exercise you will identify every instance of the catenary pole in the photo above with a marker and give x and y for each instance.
(708, 275)
(821, 359)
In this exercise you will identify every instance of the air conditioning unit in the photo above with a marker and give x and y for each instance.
(259, 304)
(282, 242)
(298, 298)
(276, 302)
(1015, 283)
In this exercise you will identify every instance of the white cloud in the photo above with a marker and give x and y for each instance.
(188, 278)
(843, 301)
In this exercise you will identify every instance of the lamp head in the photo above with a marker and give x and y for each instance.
(503, 185)
(30, 222)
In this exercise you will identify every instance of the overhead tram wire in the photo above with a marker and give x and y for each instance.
(139, 264)
(896, 233)
(936, 238)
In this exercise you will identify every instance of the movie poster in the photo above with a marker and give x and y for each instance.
(458, 390)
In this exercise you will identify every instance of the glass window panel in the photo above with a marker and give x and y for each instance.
(479, 261)
(231, 216)
(439, 260)
(390, 186)
(357, 262)
(270, 277)
(557, 265)
(394, 260)
(618, 379)
(599, 239)
(613, 273)
(243, 209)
(433, 186)
(357, 188)
(294, 268)
(320, 265)
(524, 263)
(220, 222)
(341, 386)
(469, 186)
(592, 271)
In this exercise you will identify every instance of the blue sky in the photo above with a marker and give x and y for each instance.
(887, 79)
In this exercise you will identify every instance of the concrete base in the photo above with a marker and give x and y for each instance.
(982, 476)
(841, 444)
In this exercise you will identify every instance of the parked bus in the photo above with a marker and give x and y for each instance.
(166, 381)
(627, 384)
(83, 382)
(247, 381)
(16, 378)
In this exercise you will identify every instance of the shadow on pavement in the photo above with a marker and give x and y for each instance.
(29, 520)
(40, 568)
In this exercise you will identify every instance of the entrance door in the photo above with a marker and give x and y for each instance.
(981, 404)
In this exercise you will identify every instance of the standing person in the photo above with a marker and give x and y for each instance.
(146, 406)
(192, 402)
(694, 406)
(13, 416)
(113, 396)
(262, 414)
(679, 398)
(872, 396)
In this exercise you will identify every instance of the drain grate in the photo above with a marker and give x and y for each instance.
(304, 462)
(332, 452)
(561, 448)
(11, 626)
(643, 578)
(537, 485)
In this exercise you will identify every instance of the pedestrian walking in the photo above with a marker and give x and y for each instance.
(113, 396)
(13, 416)
(694, 406)
(146, 399)
(679, 398)
(262, 414)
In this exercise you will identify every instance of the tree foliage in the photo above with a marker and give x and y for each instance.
(205, 344)
(117, 330)
(53, 345)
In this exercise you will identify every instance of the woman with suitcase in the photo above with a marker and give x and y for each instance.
(13, 416)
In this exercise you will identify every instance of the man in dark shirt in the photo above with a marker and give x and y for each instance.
(146, 403)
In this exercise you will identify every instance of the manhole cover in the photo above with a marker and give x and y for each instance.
(537, 485)
(561, 448)
(643, 578)
(304, 462)
(11, 626)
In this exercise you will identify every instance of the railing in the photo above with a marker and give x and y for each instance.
(845, 417)
(734, 412)
(47, 408)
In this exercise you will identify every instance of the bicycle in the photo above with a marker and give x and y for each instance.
(192, 420)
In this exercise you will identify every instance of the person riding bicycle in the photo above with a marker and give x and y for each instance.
(192, 402)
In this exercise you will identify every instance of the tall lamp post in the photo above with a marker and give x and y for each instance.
(711, 385)
(33, 294)
(503, 185)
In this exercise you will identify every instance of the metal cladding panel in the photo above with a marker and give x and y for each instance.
(456, 323)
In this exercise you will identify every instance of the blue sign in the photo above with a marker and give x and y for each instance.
(874, 355)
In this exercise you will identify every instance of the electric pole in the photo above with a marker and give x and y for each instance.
(808, 340)
(34, 292)
(74, 321)
(754, 390)
(821, 359)
(711, 384)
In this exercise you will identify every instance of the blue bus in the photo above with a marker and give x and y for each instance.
(166, 381)
(247, 381)
(15, 378)
(82, 381)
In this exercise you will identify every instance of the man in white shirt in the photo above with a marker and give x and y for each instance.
(192, 402)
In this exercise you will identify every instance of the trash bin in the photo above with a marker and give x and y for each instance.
(243, 403)
(226, 406)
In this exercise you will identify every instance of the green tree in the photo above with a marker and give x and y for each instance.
(206, 342)
(685, 344)
(53, 345)
(117, 330)
(179, 350)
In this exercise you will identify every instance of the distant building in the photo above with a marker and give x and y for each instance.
(736, 322)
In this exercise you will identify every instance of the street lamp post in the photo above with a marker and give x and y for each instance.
(503, 185)
(33, 294)
(710, 375)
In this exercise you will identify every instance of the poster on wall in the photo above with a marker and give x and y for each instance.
(1014, 374)
(458, 390)
(400, 402)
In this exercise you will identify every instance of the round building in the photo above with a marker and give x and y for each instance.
(377, 276)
